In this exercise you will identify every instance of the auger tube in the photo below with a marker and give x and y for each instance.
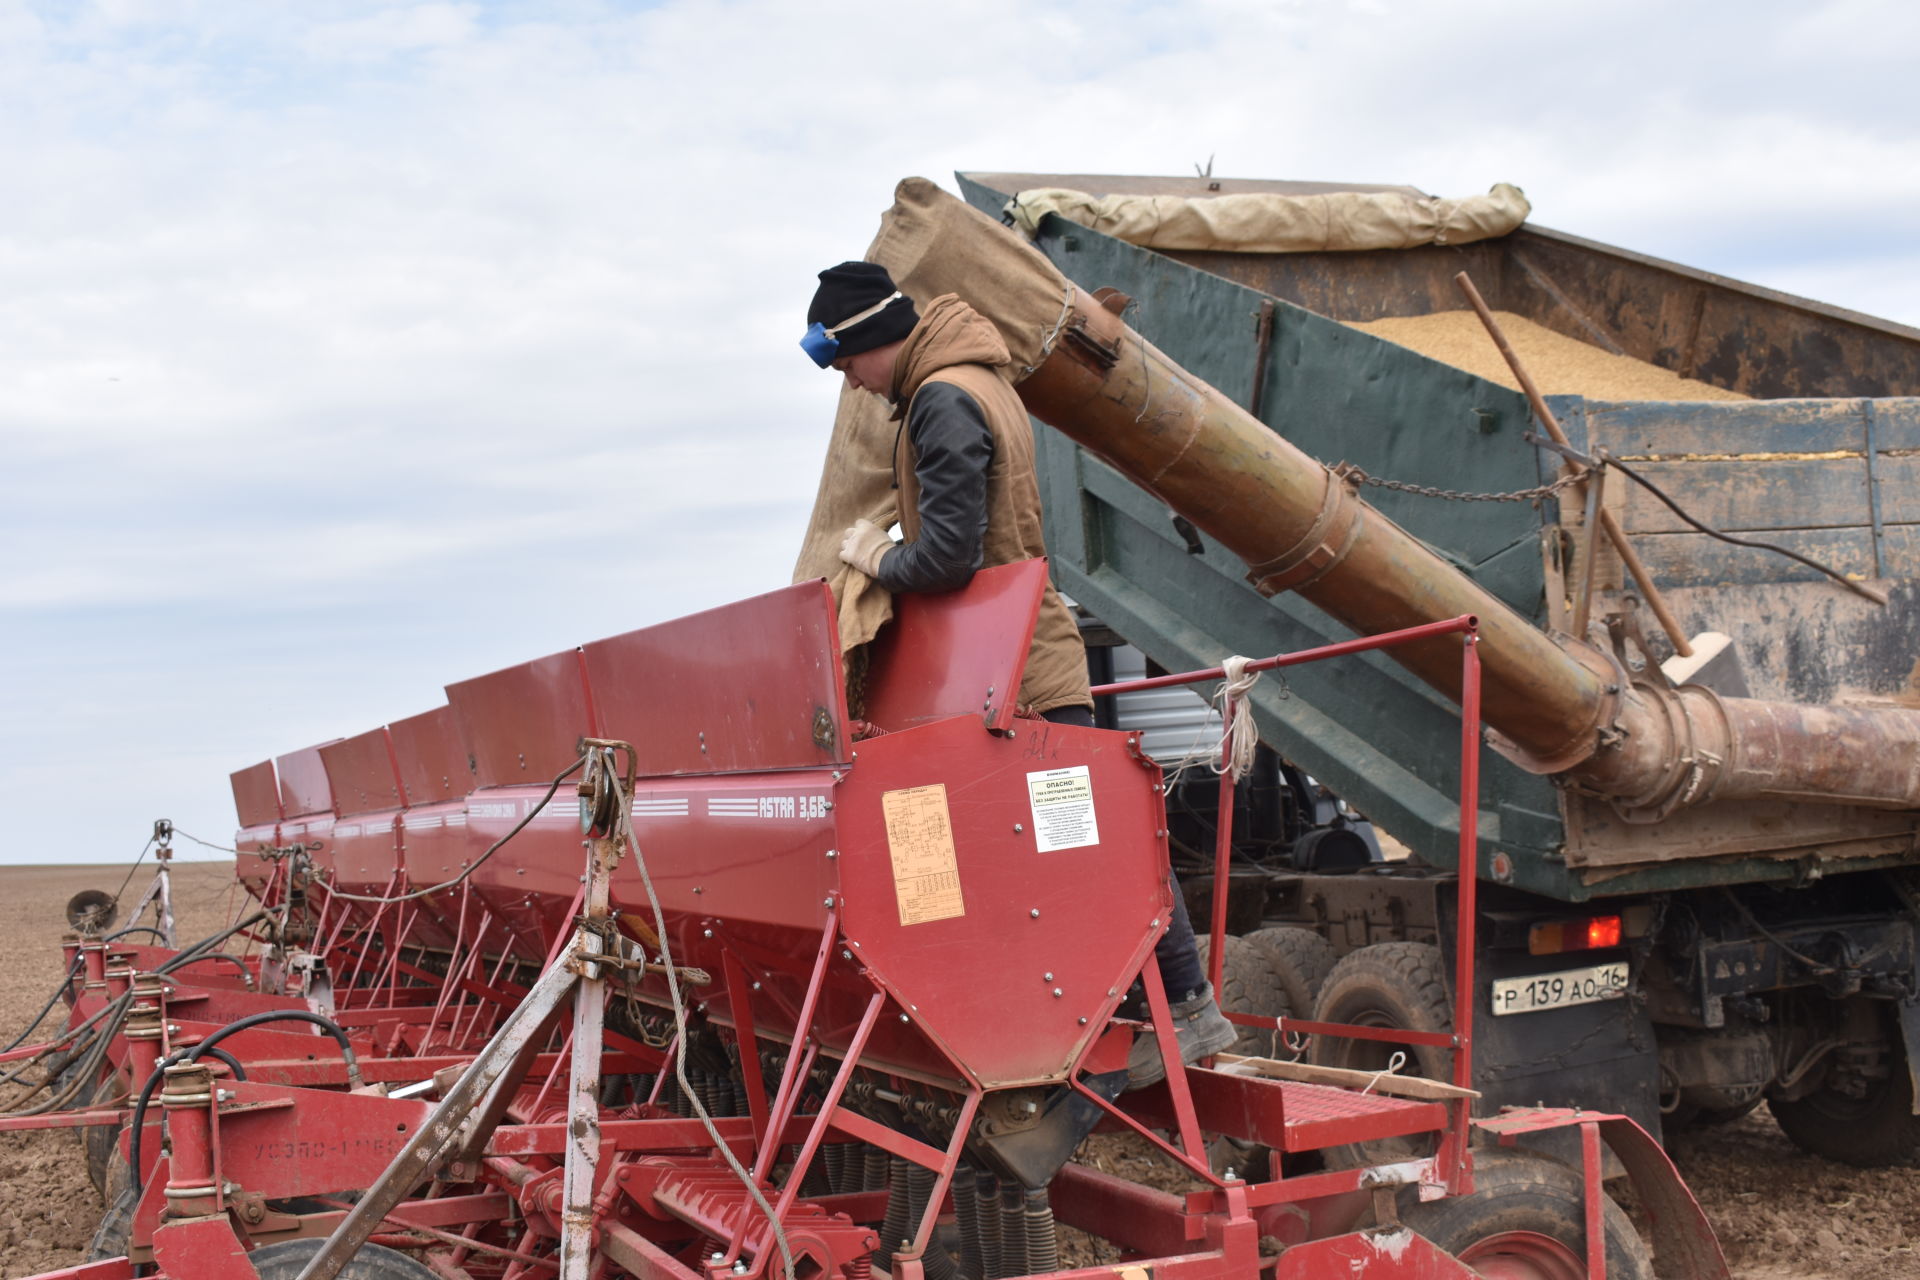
(1558, 704)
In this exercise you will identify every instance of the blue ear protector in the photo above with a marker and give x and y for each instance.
(821, 343)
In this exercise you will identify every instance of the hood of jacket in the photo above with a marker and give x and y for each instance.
(949, 333)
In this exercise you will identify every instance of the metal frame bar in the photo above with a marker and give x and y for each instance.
(1454, 1160)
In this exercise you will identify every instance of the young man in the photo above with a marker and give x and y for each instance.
(963, 464)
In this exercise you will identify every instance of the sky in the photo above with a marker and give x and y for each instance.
(349, 349)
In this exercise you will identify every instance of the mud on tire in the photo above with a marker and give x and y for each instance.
(1398, 985)
(1247, 985)
(1528, 1213)
(1298, 962)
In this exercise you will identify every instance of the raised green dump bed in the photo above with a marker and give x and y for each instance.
(1821, 459)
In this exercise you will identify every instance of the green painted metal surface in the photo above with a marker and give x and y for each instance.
(1365, 727)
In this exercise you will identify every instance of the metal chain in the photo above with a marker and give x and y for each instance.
(1352, 474)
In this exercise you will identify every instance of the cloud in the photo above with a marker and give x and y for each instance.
(330, 334)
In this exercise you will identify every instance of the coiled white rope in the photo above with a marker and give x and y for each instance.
(1242, 737)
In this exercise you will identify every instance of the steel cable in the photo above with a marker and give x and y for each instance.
(492, 849)
(626, 832)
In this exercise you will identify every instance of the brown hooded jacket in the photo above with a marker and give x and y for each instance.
(953, 343)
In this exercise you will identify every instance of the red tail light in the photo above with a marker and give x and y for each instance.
(1574, 935)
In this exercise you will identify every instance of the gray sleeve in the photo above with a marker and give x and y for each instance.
(954, 447)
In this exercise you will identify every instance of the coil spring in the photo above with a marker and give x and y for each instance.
(1013, 1236)
(966, 1212)
(893, 1229)
(936, 1261)
(1042, 1240)
(986, 1199)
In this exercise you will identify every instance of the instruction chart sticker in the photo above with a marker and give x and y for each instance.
(1063, 808)
(926, 877)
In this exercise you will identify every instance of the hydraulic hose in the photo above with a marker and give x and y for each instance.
(138, 1119)
(136, 928)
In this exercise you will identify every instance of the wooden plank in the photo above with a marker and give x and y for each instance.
(1341, 1078)
(1828, 493)
(1661, 429)
(1695, 560)
(1899, 491)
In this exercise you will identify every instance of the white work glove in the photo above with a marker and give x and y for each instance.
(863, 546)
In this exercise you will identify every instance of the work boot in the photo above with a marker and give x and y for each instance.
(1199, 1028)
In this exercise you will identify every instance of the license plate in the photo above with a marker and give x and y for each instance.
(1559, 990)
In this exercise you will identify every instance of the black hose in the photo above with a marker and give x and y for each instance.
(327, 1025)
(47, 1008)
(136, 928)
(138, 1118)
(229, 957)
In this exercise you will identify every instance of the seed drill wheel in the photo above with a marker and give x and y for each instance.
(91, 912)
(287, 1259)
(1526, 1220)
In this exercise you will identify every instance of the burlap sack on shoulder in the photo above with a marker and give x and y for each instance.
(1262, 223)
(855, 484)
(932, 243)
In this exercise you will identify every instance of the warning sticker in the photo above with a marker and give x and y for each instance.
(926, 877)
(1063, 809)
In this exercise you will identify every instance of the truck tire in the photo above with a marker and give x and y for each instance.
(1298, 961)
(1397, 985)
(1526, 1217)
(1870, 1132)
(1247, 986)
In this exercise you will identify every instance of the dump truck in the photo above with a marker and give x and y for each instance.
(1698, 823)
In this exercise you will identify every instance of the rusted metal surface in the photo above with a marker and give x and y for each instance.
(1560, 705)
(1756, 341)
(1608, 521)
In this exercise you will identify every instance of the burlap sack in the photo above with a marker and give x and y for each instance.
(997, 274)
(1260, 223)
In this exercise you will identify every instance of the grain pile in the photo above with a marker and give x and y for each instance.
(48, 1207)
(1559, 365)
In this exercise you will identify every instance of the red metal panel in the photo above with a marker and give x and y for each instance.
(360, 773)
(433, 760)
(303, 782)
(256, 795)
(529, 885)
(954, 653)
(523, 724)
(366, 794)
(366, 852)
(434, 846)
(749, 686)
(1045, 940)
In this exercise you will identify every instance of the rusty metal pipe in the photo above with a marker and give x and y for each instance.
(1557, 704)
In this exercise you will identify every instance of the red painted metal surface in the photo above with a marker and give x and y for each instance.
(957, 653)
(431, 758)
(256, 795)
(362, 774)
(962, 884)
(522, 725)
(948, 909)
(303, 782)
(751, 686)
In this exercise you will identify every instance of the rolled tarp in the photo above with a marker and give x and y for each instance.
(1341, 221)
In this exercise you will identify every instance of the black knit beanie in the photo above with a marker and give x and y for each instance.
(849, 289)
